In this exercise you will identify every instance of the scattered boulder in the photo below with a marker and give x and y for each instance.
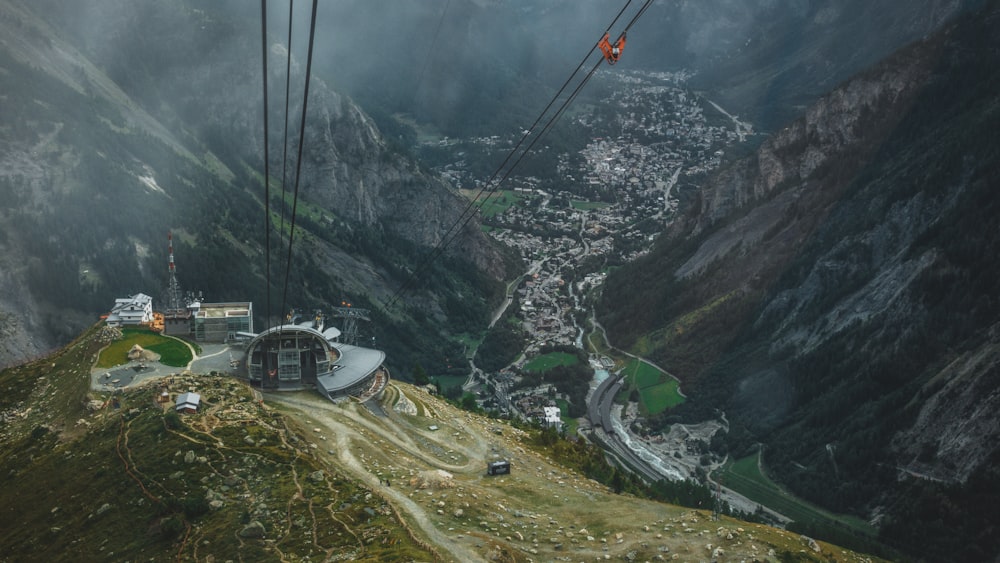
(811, 543)
(434, 478)
(405, 406)
(139, 354)
(253, 530)
(135, 353)
(317, 476)
(189, 457)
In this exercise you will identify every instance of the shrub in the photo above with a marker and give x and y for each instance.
(172, 420)
(171, 526)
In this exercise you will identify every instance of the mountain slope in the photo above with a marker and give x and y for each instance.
(835, 294)
(119, 132)
(770, 60)
(300, 478)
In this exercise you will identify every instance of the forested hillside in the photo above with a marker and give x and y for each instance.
(835, 296)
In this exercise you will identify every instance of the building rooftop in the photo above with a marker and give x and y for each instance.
(216, 310)
(188, 400)
(355, 363)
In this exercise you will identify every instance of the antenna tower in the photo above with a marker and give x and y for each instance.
(175, 300)
(350, 316)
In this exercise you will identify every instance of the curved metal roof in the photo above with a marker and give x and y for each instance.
(289, 329)
(355, 363)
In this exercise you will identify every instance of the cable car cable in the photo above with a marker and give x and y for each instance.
(430, 51)
(467, 215)
(284, 149)
(298, 163)
(267, 183)
(562, 108)
(531, 145)
(538, 119)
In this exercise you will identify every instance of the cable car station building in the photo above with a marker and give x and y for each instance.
(298, 356)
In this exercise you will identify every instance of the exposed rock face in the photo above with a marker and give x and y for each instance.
(835, 293)
(957, 427)
(348, 168)
(353, 173)
(820, 45)
(18, 341)
(840, 123)
(178, 141)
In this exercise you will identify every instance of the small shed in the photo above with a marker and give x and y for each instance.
(188, 403)
(501, 467)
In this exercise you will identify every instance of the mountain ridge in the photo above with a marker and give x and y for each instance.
(139, 122)
(832, 293)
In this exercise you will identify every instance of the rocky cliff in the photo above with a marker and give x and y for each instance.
(131, 119)
(770, 60)
(835, 294)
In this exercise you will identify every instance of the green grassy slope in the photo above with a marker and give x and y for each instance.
(92, 477)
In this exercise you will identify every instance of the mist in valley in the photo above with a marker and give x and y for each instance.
(797, 283)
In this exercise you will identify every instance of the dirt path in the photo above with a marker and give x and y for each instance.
(319, 411)
(387, 429)
(538, 512)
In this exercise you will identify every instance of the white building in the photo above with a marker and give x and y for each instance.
(552, 419)
(134, 310)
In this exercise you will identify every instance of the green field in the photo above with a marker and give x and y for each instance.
(448, 381)
(545, 362)
(657, 390)
(658, 398)
(498, 202)
(744, 476)
(569, 424)
(643, 375)
(173, 352)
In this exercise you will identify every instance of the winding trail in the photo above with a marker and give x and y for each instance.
(346, 422)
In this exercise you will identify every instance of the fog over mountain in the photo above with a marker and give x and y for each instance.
(447, 62)
(811, 252)
(833, 295)
(455, 67)
(141, 134)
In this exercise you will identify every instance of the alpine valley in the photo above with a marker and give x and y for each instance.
(786, 209)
